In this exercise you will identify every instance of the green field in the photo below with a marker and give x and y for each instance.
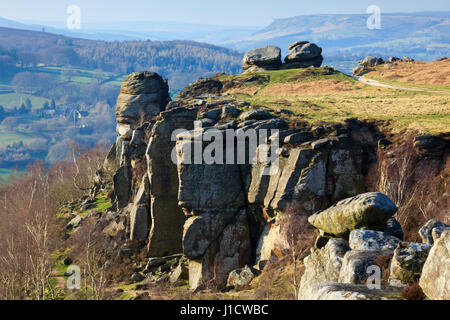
(76, 74)
(11, 100)
(7, 138)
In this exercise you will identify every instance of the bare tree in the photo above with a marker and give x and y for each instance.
(299, 235)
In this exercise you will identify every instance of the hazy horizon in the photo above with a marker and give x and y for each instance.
(230, 14)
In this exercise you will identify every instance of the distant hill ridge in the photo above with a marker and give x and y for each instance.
(423, 35)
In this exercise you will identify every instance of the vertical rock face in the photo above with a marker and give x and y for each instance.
(312, 178)
(140, 212)
(122, 186)
(216, 234)
(435, 279)
(167, 216)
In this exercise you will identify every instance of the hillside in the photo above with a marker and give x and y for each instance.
(324, 94)
(435, 74)
(180, 61)
(423, 35)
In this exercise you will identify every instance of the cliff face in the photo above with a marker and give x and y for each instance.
(215, 213)
(191, 179)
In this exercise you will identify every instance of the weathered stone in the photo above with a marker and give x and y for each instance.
(371, 61)
(372, 240)
(179, 275)
(241, 278)
(122, 186)
(370, 210)
(205, 123)
(304, 55)
(142, 96)
(426, 232)
(298, 138)
(394, 229)
(345, 168)
(342, 291)
(266, 58)
(203, 186)
(323, 265)
(296, 44)
(435, 278)
(255, 115)
(138, 145)
(234, 249)
(111, 157)
(355, 267)
(408, 261)
(140, 219)
(229, 252)
(270, 240)
(167, 216)
(230, 112)
(201, 231)
(213, 114)
(320, 143)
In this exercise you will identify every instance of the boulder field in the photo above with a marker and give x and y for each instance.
(218, 221)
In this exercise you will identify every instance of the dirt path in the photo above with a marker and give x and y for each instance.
(376, 83)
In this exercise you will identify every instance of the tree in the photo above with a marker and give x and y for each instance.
(53, 105)
(2, 113)
(28, 105)
(299, 235)
(46, 105)
(22, 109)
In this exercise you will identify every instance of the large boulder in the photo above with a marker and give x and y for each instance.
(408, 261)
(426, 232)
(369, 210)
(304, 54)
(372, 240)
(268, 58)
(323, 265)
(435, 279)
(142, 96)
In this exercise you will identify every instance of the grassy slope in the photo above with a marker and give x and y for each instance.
(315, 97)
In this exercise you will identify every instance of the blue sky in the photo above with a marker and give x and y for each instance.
(217, 12)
